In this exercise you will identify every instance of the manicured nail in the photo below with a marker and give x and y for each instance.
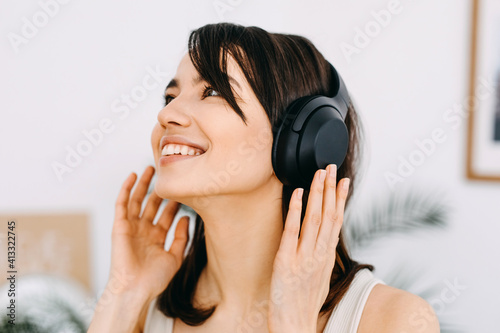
(322, 175)
(299, 193)
(331, 170)
(346, 184)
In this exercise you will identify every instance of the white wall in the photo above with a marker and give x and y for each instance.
(66, 77)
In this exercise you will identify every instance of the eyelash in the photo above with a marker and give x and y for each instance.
(169, 98)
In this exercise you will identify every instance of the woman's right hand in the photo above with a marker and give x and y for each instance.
(139, 262)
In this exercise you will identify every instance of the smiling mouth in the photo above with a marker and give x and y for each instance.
(179, 154)
(166, 160)
(172, 149)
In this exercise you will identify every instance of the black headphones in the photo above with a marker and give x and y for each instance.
(311, 135)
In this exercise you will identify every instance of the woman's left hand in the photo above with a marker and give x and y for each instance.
(303, 266)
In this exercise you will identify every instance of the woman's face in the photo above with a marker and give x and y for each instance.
(234, 157)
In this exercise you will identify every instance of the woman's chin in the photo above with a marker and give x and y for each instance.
(166, 192)
(173, 192)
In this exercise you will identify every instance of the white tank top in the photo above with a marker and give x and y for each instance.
(344, 318)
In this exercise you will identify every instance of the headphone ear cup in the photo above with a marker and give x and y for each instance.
(286, 143)
(323, 139)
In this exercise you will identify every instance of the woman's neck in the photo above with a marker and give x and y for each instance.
(242, 234)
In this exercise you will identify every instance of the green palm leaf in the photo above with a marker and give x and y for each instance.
(399, 212)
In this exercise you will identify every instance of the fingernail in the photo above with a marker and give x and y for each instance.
(346, 184)
(322, 175)
(299, 194)
(331, 170)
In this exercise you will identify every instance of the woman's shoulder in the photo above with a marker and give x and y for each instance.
(390, 309)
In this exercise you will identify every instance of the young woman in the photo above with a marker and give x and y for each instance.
(265, 257)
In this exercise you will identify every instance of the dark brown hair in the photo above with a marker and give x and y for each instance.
(279, 68)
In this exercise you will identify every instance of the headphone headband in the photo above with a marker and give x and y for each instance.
(340, 102)
(342, 96)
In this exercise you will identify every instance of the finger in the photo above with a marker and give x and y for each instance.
(312, 218)
(342, 191)
(123, 197)
(180, 238)
(331, 255)
(334, 239)
(167, 216)
(135, 204)
(289, 239)
(151, 209)
(329, 214)
(159, 231)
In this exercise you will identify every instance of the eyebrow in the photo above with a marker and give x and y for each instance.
(174, 83)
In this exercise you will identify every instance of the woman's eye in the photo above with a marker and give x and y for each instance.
(168, 99)
(209, 91)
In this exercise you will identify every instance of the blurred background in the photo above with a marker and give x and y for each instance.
(81, 84)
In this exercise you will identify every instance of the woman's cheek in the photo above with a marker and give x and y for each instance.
(248, 151)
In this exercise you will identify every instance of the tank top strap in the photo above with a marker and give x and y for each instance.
(347, 314)
(345, 317)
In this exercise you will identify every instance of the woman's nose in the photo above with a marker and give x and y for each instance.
(175, 113)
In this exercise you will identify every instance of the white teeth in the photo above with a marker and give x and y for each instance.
(168, 150)
(184, 150)
(171, 149)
